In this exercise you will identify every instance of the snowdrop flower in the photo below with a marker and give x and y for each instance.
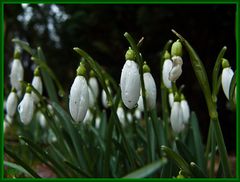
(130, 81)
(121, 115)
(140, 103)
(105, 101)
(170, 97)
(129, 117)
(11, 104)
(16, 74)
(79, 98)
(176, 70)
(88, 118)
(150, 88)
(227, 75)
(185, 109)
(138, 113)
(97, 122)
(37, 84)
(91, 97)
(26, 107)
(167, 67)
(93, 84)
(176, 117)
(41, 118)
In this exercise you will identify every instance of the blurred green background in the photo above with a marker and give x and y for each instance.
(99, 29)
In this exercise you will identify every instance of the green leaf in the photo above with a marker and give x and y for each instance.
(22, 163)
(79, 170)
(197, 141)
(24, 45)
(17, 167)
(184, 151)
(197, 171)
(182, 164)
(216, 69)
(147, 170)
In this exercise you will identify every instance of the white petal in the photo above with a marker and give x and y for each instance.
(170, 99)
(151, 90)
(104, 98)
(88, 118)
(175, 73)
(97, 122)
(16, 74)
(176, 117)
(37, 84)
(130, 84)
(129, 117)
(79, 99)
(41, 119)
(121, 115)
(26, 109)
(138, 113)
(94, 85)
(140, 104)
(185, 110)
(91, 97)
(167, 67)
(227, 75)
(177, 60)
(11, 104)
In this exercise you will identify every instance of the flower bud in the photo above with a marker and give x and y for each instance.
(175, 73)
(105, 101)
(88, 118)
(37, 84)
(79, 99)
(227, 75)
(16, 75)
(26, 108)
(121, 115)
(176, 117)
(171, 98)
(167, 67)
(185, 110)
(93, 84)
(130, 84)
(41, 118)
(11, 104)
(97, 122)
(138, 113)
(176, 49)
(91, 97)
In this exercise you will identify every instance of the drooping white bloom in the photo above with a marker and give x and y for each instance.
(130, 84)
(16, 74)
(26, 108)
(41, 118)
(138, 113)
(97, 122)
(37, 84)
(93, 84)
(176, 117)
(176, 70)
(11, 104)
(88, 118)
(129, 117)
(185, 110)
(91, 97)
(170, 99)
(79, 99)
(151, 92)
(227, 75)
(121, 115)
(167, 67)
(104, 97)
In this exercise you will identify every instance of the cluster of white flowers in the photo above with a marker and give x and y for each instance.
(29, 101)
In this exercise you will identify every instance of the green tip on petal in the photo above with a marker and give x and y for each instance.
(176, 49)
(130, 55)
(146, 68)
(182, 97)
(166, 55)
(13, 90)
(17, 54)
(170, 90)
(28, 89)
(107, 82)
(177, 97)
(81, 70)
(37, 71)
(92, 73)
(225, 63)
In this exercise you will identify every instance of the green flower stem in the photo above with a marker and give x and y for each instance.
(140, 64)
(201, 75)
(164, 95)
(213, 154)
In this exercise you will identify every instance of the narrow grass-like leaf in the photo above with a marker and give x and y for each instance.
(79, 170)
(197, 141)
(182, 164)
(21, 163)
(147, 170)
(184, 152)
(197, 171)
(17, 168)
(24, 45)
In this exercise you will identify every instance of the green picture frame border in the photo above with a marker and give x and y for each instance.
(3, 2)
